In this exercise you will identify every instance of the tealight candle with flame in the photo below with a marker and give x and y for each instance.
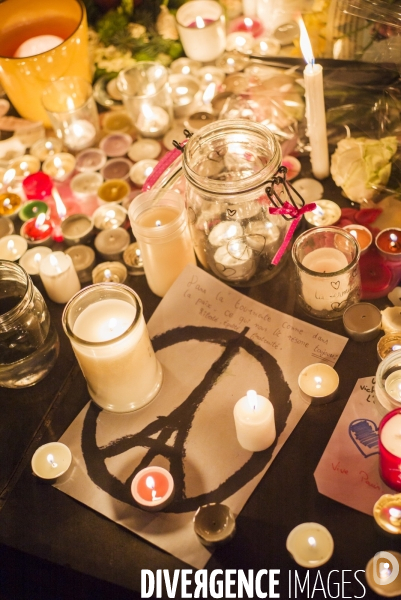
(10, 204)
(318, 383)
(59, 277)
(37, 231)
(51, 461)
(60, 166)
(201, 26)
(254, 422)
(388, 243)
(80, 134)
(310, 545)
(326, 213)
(153, 488)
(387, 513)
(152, 121)
(141, 170)
(315, 109)
(109, 217)
(390, 449)
(362, 235)
(109, 272)
(12, 247)
(30, 261)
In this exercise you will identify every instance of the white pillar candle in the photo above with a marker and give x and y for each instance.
(310, 544)
(201, 26)
(235, 261)
(153, 488)
(12, 247)
(51, 460)
(321, 292)
(59, 277)
(318, 383)
(254, 422)
(315, 109)
(112, 345)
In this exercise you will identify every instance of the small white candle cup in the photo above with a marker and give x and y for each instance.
(59, 166)
(51, 461)
(85, 185)
(46, 147)
(186, 66)
(153, 488)
(111, 243)
(24, 166)
(72, 111)
(12, 247)
(116, 144)
(184, 93)
(362, 321)
(254, 422)
(391, 319)
(310, 189)
(133, 260)
(310, 545)
(83, 259)
(214, 524)
(59, 277)
(241, 41)
(30, 261)
(116, 168)
(362, 235)
(159, 222)
(328, 280)
(109, 272)
(77, 229)
(223, 232)
(107, 331)
(146, 97)
(141, 170)
(201, 26)
(89, 160)
(326, 213)
(388, 343)
(383, 573)
(110, 217)
(144, 149)
(6, 226)
(318, 383)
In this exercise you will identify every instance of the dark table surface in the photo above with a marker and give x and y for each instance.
(52, 547)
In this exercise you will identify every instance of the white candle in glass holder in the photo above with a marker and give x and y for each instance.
(201, 26)
(79, 135)
(224, 231)
(59, 277)
(152, 121)
(254, 422)
(320, 292)
(235, 260)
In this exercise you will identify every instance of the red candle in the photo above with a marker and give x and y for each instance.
(253, 26)
(153, 488)
(388, 243)
(37, 186)
(37, 230)
(390, 449)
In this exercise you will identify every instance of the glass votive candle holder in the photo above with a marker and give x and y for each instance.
(202, 29)
(59, 166)
(6, 226)
(390, 342)
(328, 280)
(30, 261)
(72, 111)
(310, 544)
(109, 272)
(83, 258)
(388, 381)
(28, 339)
(159, 222)
(318, 383)
(46, 147)
(116, 144)
(214, 524)
(12, 247)
(38, 231)
(33, 209)
(116, 168)
(25, 165)
(110, 217)
(362, 235)
(51, 461)
(362, 321)
(390, 449)
(10, 204)
(85, 185)
(77, 229)
(113, 191)
(91, 159)
(108, 334)
(388, 243)
(147, 98)
(325, 214)
(184, 92)
(111, 243)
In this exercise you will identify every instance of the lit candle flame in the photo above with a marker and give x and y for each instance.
(200, 23)
(248, 22)
(181, 90)
(110, 214)
(60, 206)
(148, 171)
(150, 483)
(37, 258)
(306, 46)
(384, 571)
(209, 93)
(318, 381)
(77, 130)
(312, 541)
(54, 263)
(113, 321)
(11, 247)
(252, 398)
(394, 512)
(158, 223)
(57, 162)
(8, 176)
(147, 112)
(51, 461)
(39, 221)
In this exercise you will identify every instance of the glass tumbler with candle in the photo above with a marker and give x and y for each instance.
(226, 165)
(72, 111)
(388, 382)
(328, 280)
(146, 96)
(28, 341)
(40, 42)
(108, 334)
(159, 222)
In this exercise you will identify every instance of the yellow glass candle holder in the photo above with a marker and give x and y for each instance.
(25, 78)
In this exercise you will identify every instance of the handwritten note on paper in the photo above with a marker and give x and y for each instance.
(349, 468)
(214, 344)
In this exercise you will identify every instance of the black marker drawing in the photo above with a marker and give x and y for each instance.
(364, 434)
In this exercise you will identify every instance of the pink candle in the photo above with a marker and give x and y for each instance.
(390, 449)
(153, 488)
(246, 24)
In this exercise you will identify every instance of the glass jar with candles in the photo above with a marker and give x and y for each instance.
(28, 341)
(227, 165)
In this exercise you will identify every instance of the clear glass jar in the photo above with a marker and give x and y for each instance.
(227, 165)
(29, 343)
(388, 382)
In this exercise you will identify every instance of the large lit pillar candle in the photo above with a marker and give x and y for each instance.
(315, 110)
(254, 422)
(108, 334)
(390, 449)
(160, 227)
(59, 277)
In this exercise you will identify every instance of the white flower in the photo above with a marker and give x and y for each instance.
(360, 164)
